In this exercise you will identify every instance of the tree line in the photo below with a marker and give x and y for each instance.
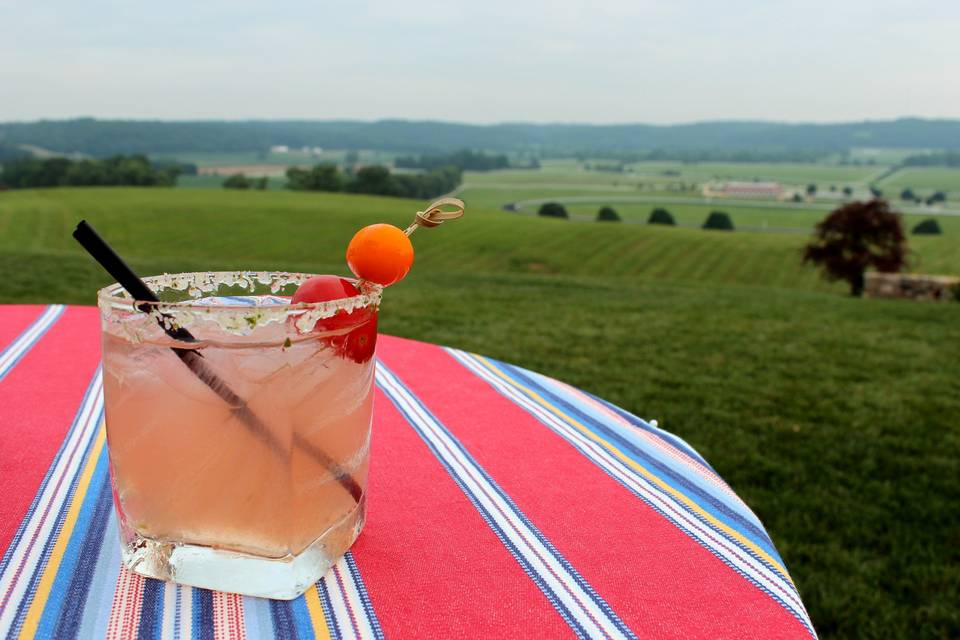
(465, 159)
(135, 170)
(375, 180)
(742, 139)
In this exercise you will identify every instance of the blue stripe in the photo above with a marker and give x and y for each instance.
(74, 425)
(676, 480)
(64, 608)
(583, 584)
(151, 611)
(31, 590)
(364, 596)
(202, 614)
(177, 615)
(707, 529)
(256, 617)
(284, 625)
(54, 311)
(96, 613)
(301, 617)
(666, 436)
(332, 625)
(723, 513)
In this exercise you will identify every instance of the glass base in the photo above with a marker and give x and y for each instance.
(210, 568)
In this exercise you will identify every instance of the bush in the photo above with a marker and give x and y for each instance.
(718, 220)
(661, 216)
(928, 227)
(607, 214)
(553, 210)
(237, 181)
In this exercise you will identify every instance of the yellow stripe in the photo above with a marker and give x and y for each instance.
(636, 466)
(32, 620)
(319, 621)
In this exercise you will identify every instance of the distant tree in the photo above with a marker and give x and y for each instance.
(607, 214)
(930, 226)
(811, 189)
(661, 216)
(847, 191)
(797, 197)
(937, 196)
(262, 183)
(31, 173)
(907, 194)
(553, 210)
(875, 192)
(856, 237)
(237, 181)
(374, 179)
(718, 221)
(321, 177)
(833, 187)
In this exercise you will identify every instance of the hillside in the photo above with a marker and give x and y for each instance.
(105, 137)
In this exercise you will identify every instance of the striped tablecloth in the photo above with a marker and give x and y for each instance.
(502, 503)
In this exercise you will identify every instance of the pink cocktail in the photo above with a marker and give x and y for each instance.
(239, 459)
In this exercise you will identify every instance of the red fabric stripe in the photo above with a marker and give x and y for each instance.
(431, 565)
(15, 319)
(656, 578)
(39, 398)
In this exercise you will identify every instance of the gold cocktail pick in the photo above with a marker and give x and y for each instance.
(436, 214)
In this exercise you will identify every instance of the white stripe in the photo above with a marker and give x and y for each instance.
(690, 462)
(760, 573)
(29, 337)
(169, 607)
(27, 556)
(338, 603)
(186, 613)
(538, 557)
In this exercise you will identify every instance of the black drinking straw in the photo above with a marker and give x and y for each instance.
(103, 253)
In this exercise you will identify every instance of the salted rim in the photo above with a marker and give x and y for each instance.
(199, 282)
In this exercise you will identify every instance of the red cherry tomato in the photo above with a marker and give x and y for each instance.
(324, 289)
(380, 253)
(359, 343)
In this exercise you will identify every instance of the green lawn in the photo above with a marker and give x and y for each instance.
(834, 418)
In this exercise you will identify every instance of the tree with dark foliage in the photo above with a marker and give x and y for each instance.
(719, 221)
(855, 237)
(553, 210)
(608, 214)
(661, 216)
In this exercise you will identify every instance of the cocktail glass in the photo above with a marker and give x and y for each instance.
(239, 458)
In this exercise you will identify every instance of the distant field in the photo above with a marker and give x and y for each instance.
(663, 172)
(779, 172)
(834, 418)
(925, 179)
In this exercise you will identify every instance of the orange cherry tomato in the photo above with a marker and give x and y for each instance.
(380, 253)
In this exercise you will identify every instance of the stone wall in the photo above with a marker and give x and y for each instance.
(913, 286)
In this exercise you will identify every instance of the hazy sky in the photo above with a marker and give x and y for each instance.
(483, 61)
